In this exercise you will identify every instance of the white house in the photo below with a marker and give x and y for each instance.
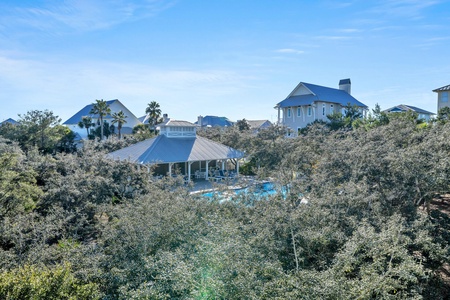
(421, 113)
(115, 106)
(443, 93)
(309, 102)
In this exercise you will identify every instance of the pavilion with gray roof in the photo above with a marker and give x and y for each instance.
(178, 145)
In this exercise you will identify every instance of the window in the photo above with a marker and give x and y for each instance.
(288, 112)
(309, 111)
(331, 109)
(444, 97)
(323, 109)
(299, 111)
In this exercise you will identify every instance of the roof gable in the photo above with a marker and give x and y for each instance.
(318, 93)
(256, 124)
(115, 106)
(10, 121)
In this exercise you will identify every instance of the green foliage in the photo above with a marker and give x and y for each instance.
(346, 119)
(120, 119)
(352, 219)
(32, 282)
(443, 115)
(40, 129)
(86, 122)
(101, 109)
(142, 132)
(18, 190)
(153, 111)
(242, 125)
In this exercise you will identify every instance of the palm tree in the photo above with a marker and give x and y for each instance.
(101, 108)
(119, 118)
(86, 122)
(154, 113)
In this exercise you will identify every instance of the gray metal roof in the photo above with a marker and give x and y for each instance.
(256, 124)
(177, 123)
(441, 89)
(320, 93)
(404, 107)
(162, 149)
(86, 111)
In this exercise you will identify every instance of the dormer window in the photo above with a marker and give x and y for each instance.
(444, 97)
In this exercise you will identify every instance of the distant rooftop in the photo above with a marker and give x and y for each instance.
(213, 121)
(10, 121)
(441, 89)
(404, 107)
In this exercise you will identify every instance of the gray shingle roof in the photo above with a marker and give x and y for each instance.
(321, 93)
(404, 107)
(441, 89)
(162, 149)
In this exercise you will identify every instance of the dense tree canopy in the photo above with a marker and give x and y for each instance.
(356, 216)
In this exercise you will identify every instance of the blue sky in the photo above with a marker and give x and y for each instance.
(233, 58)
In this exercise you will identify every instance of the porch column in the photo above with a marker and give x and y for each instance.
(207, 171)
(189, 170)
(223, 165)
(278, 115)
(170, 169)
(237, 168)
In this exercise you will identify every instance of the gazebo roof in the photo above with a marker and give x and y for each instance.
(164, 150)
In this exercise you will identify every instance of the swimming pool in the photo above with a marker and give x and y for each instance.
(260, 190)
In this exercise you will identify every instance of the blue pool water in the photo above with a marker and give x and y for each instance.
(259, 191)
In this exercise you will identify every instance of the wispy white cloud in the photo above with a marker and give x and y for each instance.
(349, 30)
(78, 15)
(290, 51)
(40, 84)
(339, 4)
(333, 37)
(404, 8)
